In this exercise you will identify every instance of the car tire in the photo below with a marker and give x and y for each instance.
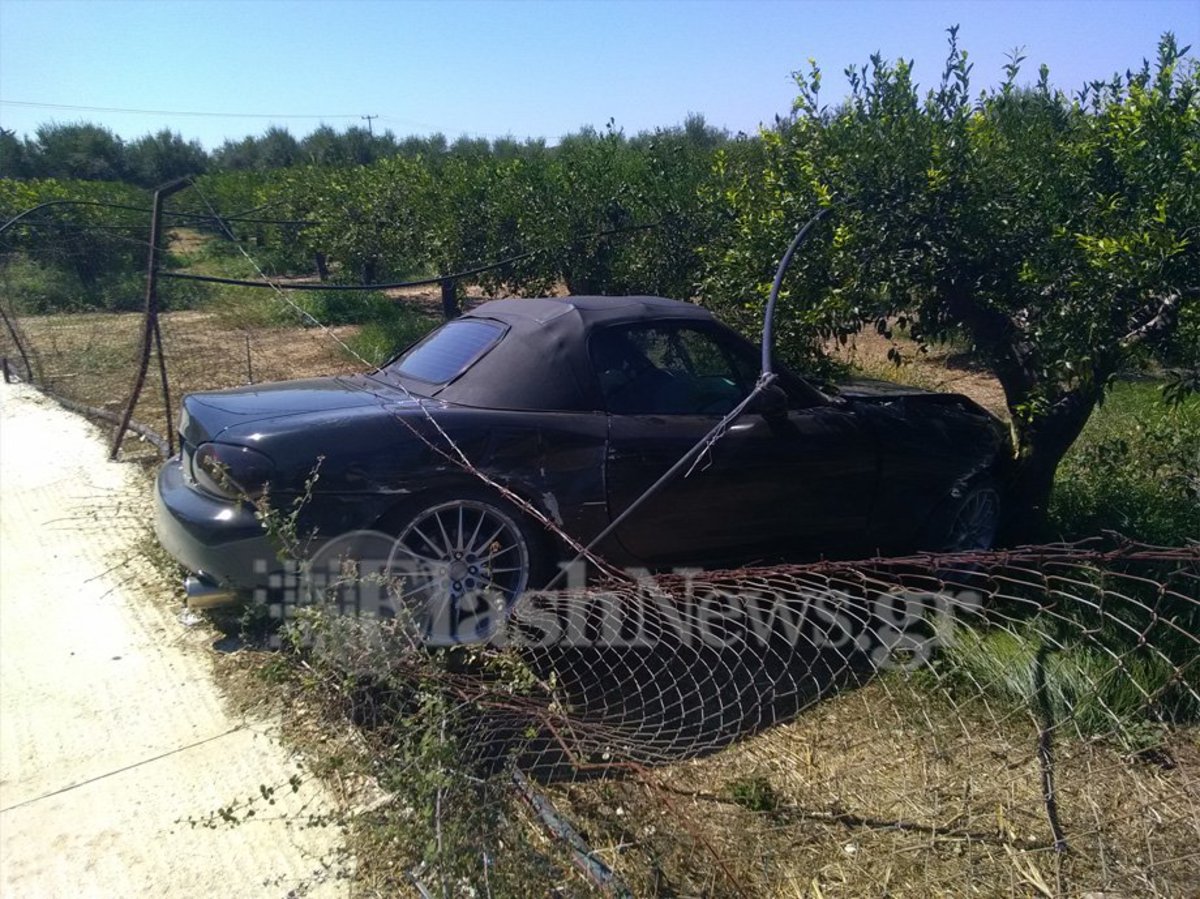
(475, 551)
(968, 522)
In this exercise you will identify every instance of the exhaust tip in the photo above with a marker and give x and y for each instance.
(202, 595)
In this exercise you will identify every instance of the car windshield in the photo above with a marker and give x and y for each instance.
(449, 351)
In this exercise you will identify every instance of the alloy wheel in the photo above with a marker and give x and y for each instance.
(461, 555)
(975, 524)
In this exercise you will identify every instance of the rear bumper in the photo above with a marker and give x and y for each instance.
(220, 541)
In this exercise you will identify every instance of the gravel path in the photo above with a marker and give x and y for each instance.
(112, 732)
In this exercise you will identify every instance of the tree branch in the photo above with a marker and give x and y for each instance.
(1002, 338)
(1163, 319)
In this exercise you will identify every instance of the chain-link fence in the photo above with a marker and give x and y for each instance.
(1018, 723)
(84, 319)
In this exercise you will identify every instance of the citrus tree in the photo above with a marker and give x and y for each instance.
(1058, 235)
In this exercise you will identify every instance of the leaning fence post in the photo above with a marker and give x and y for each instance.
(150, 325)
(17, 342)
(166, 387)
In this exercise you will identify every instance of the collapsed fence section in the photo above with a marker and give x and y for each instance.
(1020, 723)
(1024, 721)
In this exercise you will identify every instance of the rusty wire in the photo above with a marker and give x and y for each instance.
(1001, 721)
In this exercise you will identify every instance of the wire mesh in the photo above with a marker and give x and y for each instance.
(73, 298)
(1017, 723)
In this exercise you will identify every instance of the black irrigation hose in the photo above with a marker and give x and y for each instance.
(768, 335)
(20, 215)
(424, 282)
(190, 217)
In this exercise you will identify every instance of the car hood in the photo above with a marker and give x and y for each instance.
(206, 416)
(869, 390)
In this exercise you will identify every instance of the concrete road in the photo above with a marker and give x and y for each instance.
(112, 732)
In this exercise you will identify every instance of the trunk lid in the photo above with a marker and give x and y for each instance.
(206, 416)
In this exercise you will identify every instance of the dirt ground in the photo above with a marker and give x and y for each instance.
(114, 734)
(942, 367)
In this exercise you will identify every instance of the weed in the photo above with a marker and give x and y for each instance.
(377, 342)
(753, 793)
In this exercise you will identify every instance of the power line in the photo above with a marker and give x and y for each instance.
(222, 115)
(29, 104)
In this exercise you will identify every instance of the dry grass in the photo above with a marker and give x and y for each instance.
(887, 790)
(884, 791)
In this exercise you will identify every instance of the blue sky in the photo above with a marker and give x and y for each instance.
(523, 68)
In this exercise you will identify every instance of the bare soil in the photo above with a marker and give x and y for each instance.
(92, 357)
(942, 367)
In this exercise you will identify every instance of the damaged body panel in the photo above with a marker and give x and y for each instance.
(576, 405)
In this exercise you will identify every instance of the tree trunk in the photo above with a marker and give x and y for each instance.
(449, 300)
(1041, 442)
(1041, 446)
(322, 267)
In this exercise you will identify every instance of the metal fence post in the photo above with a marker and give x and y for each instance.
(18, 343)
(150, 332)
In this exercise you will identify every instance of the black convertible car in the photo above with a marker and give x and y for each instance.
(576, 405)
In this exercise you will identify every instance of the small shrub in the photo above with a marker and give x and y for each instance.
(35, 288)
(120, 292)
(345, 307)
(175, 295)
(754, 793)
(1093, 684)
(245, 308)
(401, 326)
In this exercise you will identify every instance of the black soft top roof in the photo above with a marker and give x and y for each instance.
(589, 311)
(542, 362)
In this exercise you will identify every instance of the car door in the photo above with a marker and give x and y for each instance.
(794, 485)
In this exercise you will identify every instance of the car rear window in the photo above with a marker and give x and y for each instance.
(449, 351)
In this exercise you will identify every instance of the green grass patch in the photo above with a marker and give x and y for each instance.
(1090, 683)
(383, 326)
(753, 793)
(1135, 469)
(38, 288)
(379, 340)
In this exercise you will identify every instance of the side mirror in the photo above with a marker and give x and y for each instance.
(771, 402)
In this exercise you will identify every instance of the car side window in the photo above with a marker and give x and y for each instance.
(666, 369)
